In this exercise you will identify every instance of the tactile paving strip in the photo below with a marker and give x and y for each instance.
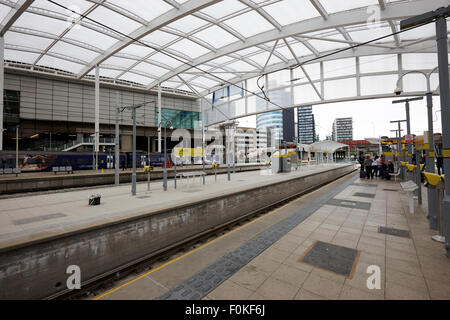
(394, 232)
(334, 258)
(364, 195)
(365, 185)
(211, 277)
(349, 204)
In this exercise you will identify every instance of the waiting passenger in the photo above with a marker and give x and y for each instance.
(368, 165)
(390, 169)
(439, 163)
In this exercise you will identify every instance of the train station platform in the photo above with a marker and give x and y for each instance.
(49, 181)
(278, 256)
(41, 235)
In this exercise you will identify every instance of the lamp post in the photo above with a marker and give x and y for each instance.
(408, 127)
(439, 16)
(399, 147)
(433, 201)
(133, 109)
(165, 156)
(17, 146)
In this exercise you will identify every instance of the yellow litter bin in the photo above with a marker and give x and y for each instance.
(435, 183)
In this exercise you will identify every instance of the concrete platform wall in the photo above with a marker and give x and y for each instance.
(37, 270)
(59, 181)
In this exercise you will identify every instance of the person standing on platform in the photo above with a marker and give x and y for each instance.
(439, 163)
(375, 165)
(368, 165)
(361, 160)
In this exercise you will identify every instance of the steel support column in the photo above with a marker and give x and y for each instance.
(117, 143)
(444, 84)
(2, 84)
(433, 197)
(159, 118)
(97, 116)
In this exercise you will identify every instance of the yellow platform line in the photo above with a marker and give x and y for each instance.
(187, 254)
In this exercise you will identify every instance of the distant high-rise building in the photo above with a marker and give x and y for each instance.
(343, 129)
(306, 125)
(280, 121)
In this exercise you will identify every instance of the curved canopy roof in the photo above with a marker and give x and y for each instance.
(326, 146)
(200, 46)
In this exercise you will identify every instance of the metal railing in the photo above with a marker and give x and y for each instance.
(88, 141)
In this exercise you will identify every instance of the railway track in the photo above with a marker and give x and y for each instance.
(101, 283)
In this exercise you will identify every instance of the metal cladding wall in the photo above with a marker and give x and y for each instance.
(65, 100)
(36, 270)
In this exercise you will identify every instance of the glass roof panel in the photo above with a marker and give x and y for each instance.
(207, 82)
(114, 20)
(20, 56)
(221, 60)
(119, 62)
(163, 58)
(341, 67)
(91, 37)
(147, 10)
(241, 66)
(187, 24)
(41, 23)
(343, 88)
(378, 63)
(108, 73)
(333, 6)
(159, 37)
(78, 6)
(378, 84)
(21, 39)
(425, 31)
(137, 50)
(261, 58)
(249, 24)
(170, 84)
(189, 48)
(313, 70)
(305, 93)
(290, 11)
(136, 78)
(248, 51)
(150, 69)
(216, 36)
(4, 10)
(419, 61)
(299, 49)
(74, 51)
(223, 8)
(323, 45)
(376, 31)
(52, 62)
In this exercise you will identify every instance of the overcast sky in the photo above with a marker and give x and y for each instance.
(371, 118)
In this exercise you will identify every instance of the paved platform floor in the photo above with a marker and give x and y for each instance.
(47, 174)
(411, 268)
(37, 216)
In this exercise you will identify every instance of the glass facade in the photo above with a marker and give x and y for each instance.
(306, 125)
(272, 120)
(180, 119)
(343, 129)
(11, 100)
